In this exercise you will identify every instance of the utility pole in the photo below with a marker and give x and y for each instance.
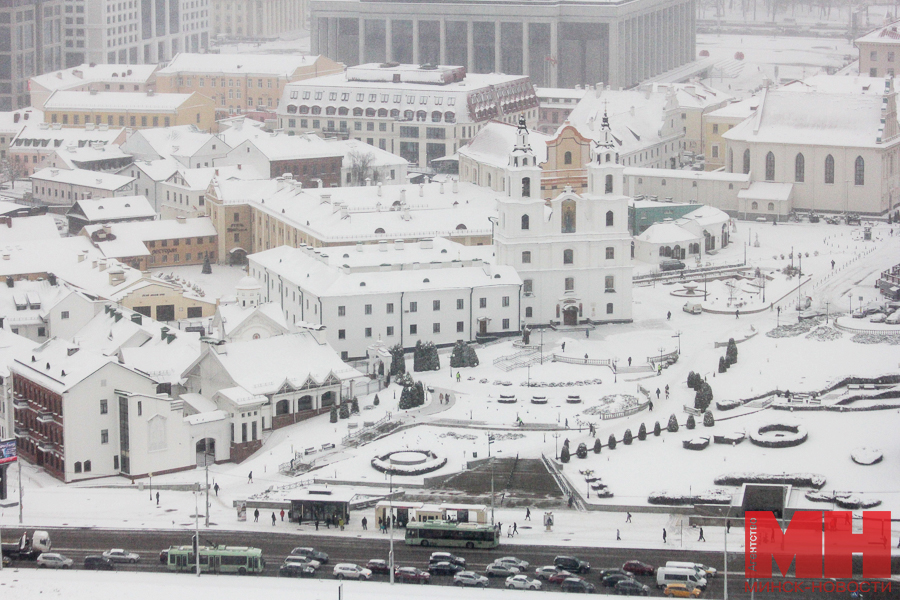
(390, 519)
(197, 529)
(207, 492)
(826, 311)
(492, 490)
(22, 493)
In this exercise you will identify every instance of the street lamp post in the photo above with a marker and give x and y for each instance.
(556, 444)
(678, 335)
(391, 527)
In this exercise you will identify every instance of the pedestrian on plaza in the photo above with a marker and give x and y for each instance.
(157, 498)
(563, 346)
(317, 523)
(273, 518)
(282, 514)
(458, 377)
(256, 516)
(300, 519)
(832, 265)
(341, 523)
(667, 391)
(669, 316)
(527, 514)
(657, 393)
(618, 537)
(737, 314)
(567, 423)
(216, 487)
(628, 517)
(250, 477)
(629, 361)
(701, 538)
(664, 535)
(659, 369)
(364, 523)
(728, 526)
(515, 529)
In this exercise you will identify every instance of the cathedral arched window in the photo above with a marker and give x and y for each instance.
(610, 219)
(525, 222)
(526, 187)
(770, 166)
(568, 256)
(829, 169)
(746, 161)
(609, 184)
(567, 158)
(859, 171)
(568, 216)
(799, 168)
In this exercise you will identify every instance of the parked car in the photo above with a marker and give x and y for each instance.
(572, 564)
(577, 585)
(613, 578)
(351, 571)
(311, 553)
(694, 308)
(613, 571)
(522, 582)
(893, 318)
(296, 570)
(671, 265)
(6, 561)
(559, 577)
(470, 579)
(98, 563)
(118, 555)
(681, 590)
(411, 575)
(546, 572)
(637, 567)
(630, 587)
(500, 570)
(379, 566)
(302, 560)
(522, 565)
(444, 568)
(447, 557)
(878, 318)
(52, 560)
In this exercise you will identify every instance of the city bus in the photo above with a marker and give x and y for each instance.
(217, 559)
(445, 533)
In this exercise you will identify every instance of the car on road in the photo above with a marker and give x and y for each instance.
(630, 587)
(296, 570)
(311, 553)
(604, 572)
(559, 577)
(522, 565)
(411, 575)
(379, 566)
(522, 582)
(572, 564)
(437, 557)
(546, 572)
(878, 318)
(52, 560)
(577, 585)
(98, 563)
(444, 568)
(637, 567)
(302, 560)
(117, 555)
(351, 571)
(613, 578)
(681, 590)
(500, 570)
(470, 579)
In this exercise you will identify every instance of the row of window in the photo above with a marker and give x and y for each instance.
(383, 113)
(177, 241)
(201, 81)
(859, 167)
(414, 328)
(132, 120)
(568, 256)
(176, 258)
(414, 306)
(361, 97)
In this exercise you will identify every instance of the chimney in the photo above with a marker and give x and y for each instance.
(321, 183)
(82, 255)
(239, 166)
(398, 244)
(421, 190)
(426, 244)
(7, 256)
(441, 187)
(279, 184)
(359, 246)
(107, 229)
(101, 265)
(382, 246)
(288, 176)
(368, 181)
(402, 196)
(116, 275)
(379, 188)
(455, 186)
(181, 220)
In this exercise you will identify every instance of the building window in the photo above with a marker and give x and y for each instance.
(342, 311)
(460, 304)
(505, 323)
(754, 205)
(859, 171)
(610, 283)
(570, 284)
(344, 356)
(829, 169)
(609, 308)
(460, 326)
(413, 307)
(873, 55)
(525, 222)
(389, 309)
(78, 467)
(527, 286)
(771, 206)
(390, 331)
(715, 128)
(104, 406)
(104, 436)
(747, 161)
(528, 312)
(482, 303)
(610, 253)
(505, 302)
(435, 305)
(567, 158)
(64, 314)
(568, 257)
(526, 257)
(770, 166)
(413, 329)
(610, 218)
(568, 216)
(799, 168)
(368, 332)
(342, 334)
(368, 309)
(436, 328)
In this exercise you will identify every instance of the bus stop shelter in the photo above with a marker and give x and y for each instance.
(312, 503)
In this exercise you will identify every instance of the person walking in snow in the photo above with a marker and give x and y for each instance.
(728, 526)
(618, 537)
(664, 535)
(701, 538)
(515, 529)
(282, 514)
(458, 377)
(667, 391)
(157, 498)
(651, 405)
(250, 477)
(628, 517)
(669, 316)
(256, 516)
(273, 518)
(527, 514)
(563, 346)
(364, 523)
(629, 361)
(216, 487)
(737, 314)
(657, 393)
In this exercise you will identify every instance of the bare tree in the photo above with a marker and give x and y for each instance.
(361, 167)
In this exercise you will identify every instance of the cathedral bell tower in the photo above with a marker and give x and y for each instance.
(523, 174)
(605, 175)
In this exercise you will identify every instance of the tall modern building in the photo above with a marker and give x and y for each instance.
(559, 43)
(134, 31)
(30, 44)
(258, 18)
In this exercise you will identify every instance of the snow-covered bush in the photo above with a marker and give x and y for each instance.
(673, 424)
(696, 443)
(398, 361)
(627, 438)
(611, 442)
(642, 432)
(354, 405)
(779, 435)
(728, 404)
(845, 500)
(425, 357)
(344, 411)
(708, 419)
(704, 396)
(734, 437)
(582, 450)
(722, 365)
(691, 423)
(714, 496)
(376, 401)
(334, 414)
(657, 429)
(866, 456)
(564, 454)
(598, 445)
(810, 480)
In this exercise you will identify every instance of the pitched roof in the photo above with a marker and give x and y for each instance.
(494, 142)
(59, 365)
(115, 101)
(24, 229)
(84, 177)
(281, 65)
(180, 140)
(121, 207)
(94, 72)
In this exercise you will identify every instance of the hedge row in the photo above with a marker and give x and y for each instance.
(379, 465)
(710, 497)
(697, 443)
(844, 500)
(809, 480)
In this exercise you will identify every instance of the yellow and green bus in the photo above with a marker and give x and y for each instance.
(217, 559)
(446, 533)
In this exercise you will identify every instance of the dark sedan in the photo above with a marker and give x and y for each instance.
(444, 568)
(630, 587)
(296, 570)
(613, 578)
(378, 566)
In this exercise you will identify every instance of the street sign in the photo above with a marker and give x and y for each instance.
(7, 451)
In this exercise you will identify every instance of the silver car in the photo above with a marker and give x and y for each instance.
(121, 556)
(52, 560)
(470, 579)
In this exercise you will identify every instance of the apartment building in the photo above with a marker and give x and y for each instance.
(31, 43)
(129, 109)
(259, 18)
(92, 76)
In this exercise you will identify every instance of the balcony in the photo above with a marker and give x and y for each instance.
(45, 416)
(20, 403)
(22, 431)
(46, 446)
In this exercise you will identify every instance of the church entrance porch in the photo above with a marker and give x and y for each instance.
(570, 315)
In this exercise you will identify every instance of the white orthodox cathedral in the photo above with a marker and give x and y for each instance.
(573, 252)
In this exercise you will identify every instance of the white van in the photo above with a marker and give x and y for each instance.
(666, 575)
(702, 570)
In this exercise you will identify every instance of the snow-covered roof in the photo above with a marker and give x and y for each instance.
(281, 65)
(384, 268)
(46, 135)
(705, 216)
(95, 72)
(666, 233)
(115, 101)
(280, 146)
(11, 207)
(494, 142)
(180, 140)
(24, 229)
(686, 174)
(261, 366)
(694, 95)
(838, 84)
(840, 120)
(767, 191)
(14, 120)
(199, 402)
(200, 178)
(44, 256)
(887, 34)
(559, 96)
(73, 156)
(379, 157)
(85, 178)
(12, 345)
(121, 207)
(234, 315)
(58, 365)
(29, 301)
(736, 110)
(145, 231)
(157, 170)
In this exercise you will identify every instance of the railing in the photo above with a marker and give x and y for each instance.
(572, 360)
(563, 483)
(352, 436)
(685, 273)
(624, 413)
(668, 357)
